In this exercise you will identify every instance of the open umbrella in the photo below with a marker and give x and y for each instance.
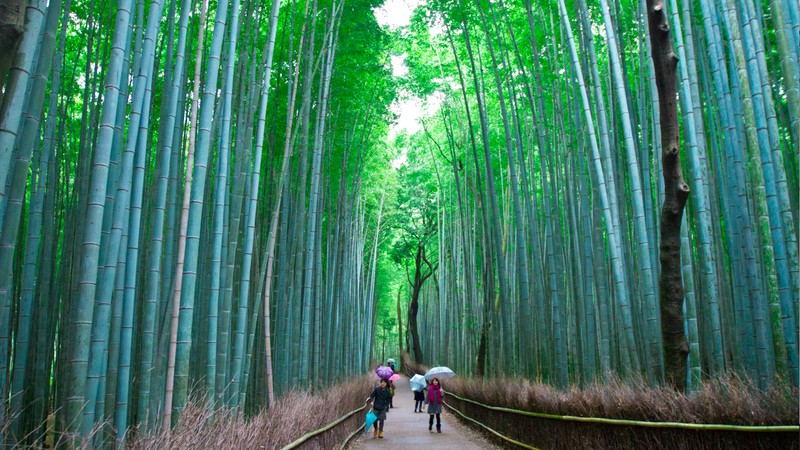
(384, 372)
(439, 372)
(394, 377)
(390, 361)
(417, 382)
(371, 418)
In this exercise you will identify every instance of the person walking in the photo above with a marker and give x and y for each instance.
(391, 392)
(434, 401)
(379, 400)
(419, 397)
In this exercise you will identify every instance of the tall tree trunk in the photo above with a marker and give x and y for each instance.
(676, 192)
(399, 322)
(413, 306)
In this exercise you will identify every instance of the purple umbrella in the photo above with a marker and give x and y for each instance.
(384, 372)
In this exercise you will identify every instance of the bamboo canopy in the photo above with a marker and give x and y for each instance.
(229, 200)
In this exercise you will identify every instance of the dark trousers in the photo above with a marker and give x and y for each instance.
(390, 402)
(417, 405)
(438, 421)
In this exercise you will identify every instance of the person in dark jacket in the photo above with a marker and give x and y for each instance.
(434, 401)
(379, 400)
(391, 391)
(419, 397)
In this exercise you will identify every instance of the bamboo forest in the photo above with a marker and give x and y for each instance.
(225, 202)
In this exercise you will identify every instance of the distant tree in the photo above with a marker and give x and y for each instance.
(416, 245)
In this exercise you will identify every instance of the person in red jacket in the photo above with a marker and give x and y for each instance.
(434, 401)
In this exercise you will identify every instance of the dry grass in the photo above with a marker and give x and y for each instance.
(729, 400)
(409, 366)
(293, 415)
(45, 436)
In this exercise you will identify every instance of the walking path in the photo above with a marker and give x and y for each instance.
(406, 429)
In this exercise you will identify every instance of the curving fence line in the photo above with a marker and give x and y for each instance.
(491, 430)
(350, 438)
(641, 423)
(568, 432)
(593, 421)
(306, 437)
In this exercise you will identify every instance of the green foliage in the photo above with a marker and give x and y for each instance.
(430, 187)
(423, 60)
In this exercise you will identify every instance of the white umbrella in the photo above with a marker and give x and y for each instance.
(439, 372)
(390, 360)
(417, 382)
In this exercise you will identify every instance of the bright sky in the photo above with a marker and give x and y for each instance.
(394, 14)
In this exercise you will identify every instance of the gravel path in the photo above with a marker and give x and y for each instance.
(405, 429)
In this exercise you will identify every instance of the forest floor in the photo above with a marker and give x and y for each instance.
(406, 429)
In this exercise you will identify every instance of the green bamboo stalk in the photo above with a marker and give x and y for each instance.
(701, 200)
(620, 288)
(648, 291)
(13, 212)
(771, 299)
(81, 323)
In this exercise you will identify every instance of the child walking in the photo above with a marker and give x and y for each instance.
(379, 400)
(419, 397)
(434, 400)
